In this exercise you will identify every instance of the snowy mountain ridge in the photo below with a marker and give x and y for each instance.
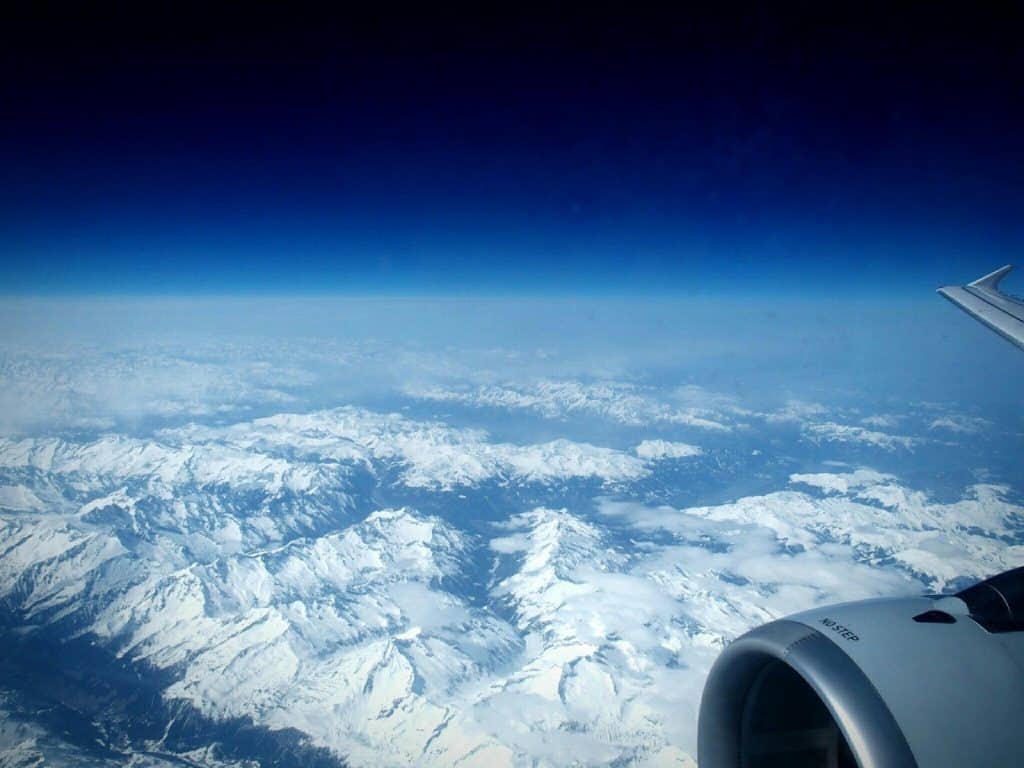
(254, 570)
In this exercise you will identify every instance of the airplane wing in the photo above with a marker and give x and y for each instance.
(983, 301)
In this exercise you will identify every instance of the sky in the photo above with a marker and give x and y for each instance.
(468, 152)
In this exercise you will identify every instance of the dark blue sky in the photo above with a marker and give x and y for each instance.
(569, 152)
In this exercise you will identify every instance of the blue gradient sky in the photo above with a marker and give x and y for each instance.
(727, 153)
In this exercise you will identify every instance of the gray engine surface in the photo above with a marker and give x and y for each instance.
(927, 682)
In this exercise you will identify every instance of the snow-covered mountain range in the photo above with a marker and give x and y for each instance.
(403, 591)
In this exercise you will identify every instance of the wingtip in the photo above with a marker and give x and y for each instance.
(992, 279)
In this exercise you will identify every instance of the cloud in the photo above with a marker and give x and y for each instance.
(882, 421)
(99, 389)
(831, 482)
(796, 411)
(961, 424)
(872, 519)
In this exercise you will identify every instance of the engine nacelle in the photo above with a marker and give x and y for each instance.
(925, 682)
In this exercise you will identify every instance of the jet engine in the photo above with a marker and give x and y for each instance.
(892, 683)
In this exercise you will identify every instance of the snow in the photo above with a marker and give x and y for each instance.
(19, 498)
(623, 403)
(655, 450)
(832, 432)
(238, 558)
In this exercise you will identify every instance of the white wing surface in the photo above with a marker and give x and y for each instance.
(983, 301)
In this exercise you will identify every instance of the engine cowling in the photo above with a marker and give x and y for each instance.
(925, 681)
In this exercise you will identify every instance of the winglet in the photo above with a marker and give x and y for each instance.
(992, 279)
(983, 301)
